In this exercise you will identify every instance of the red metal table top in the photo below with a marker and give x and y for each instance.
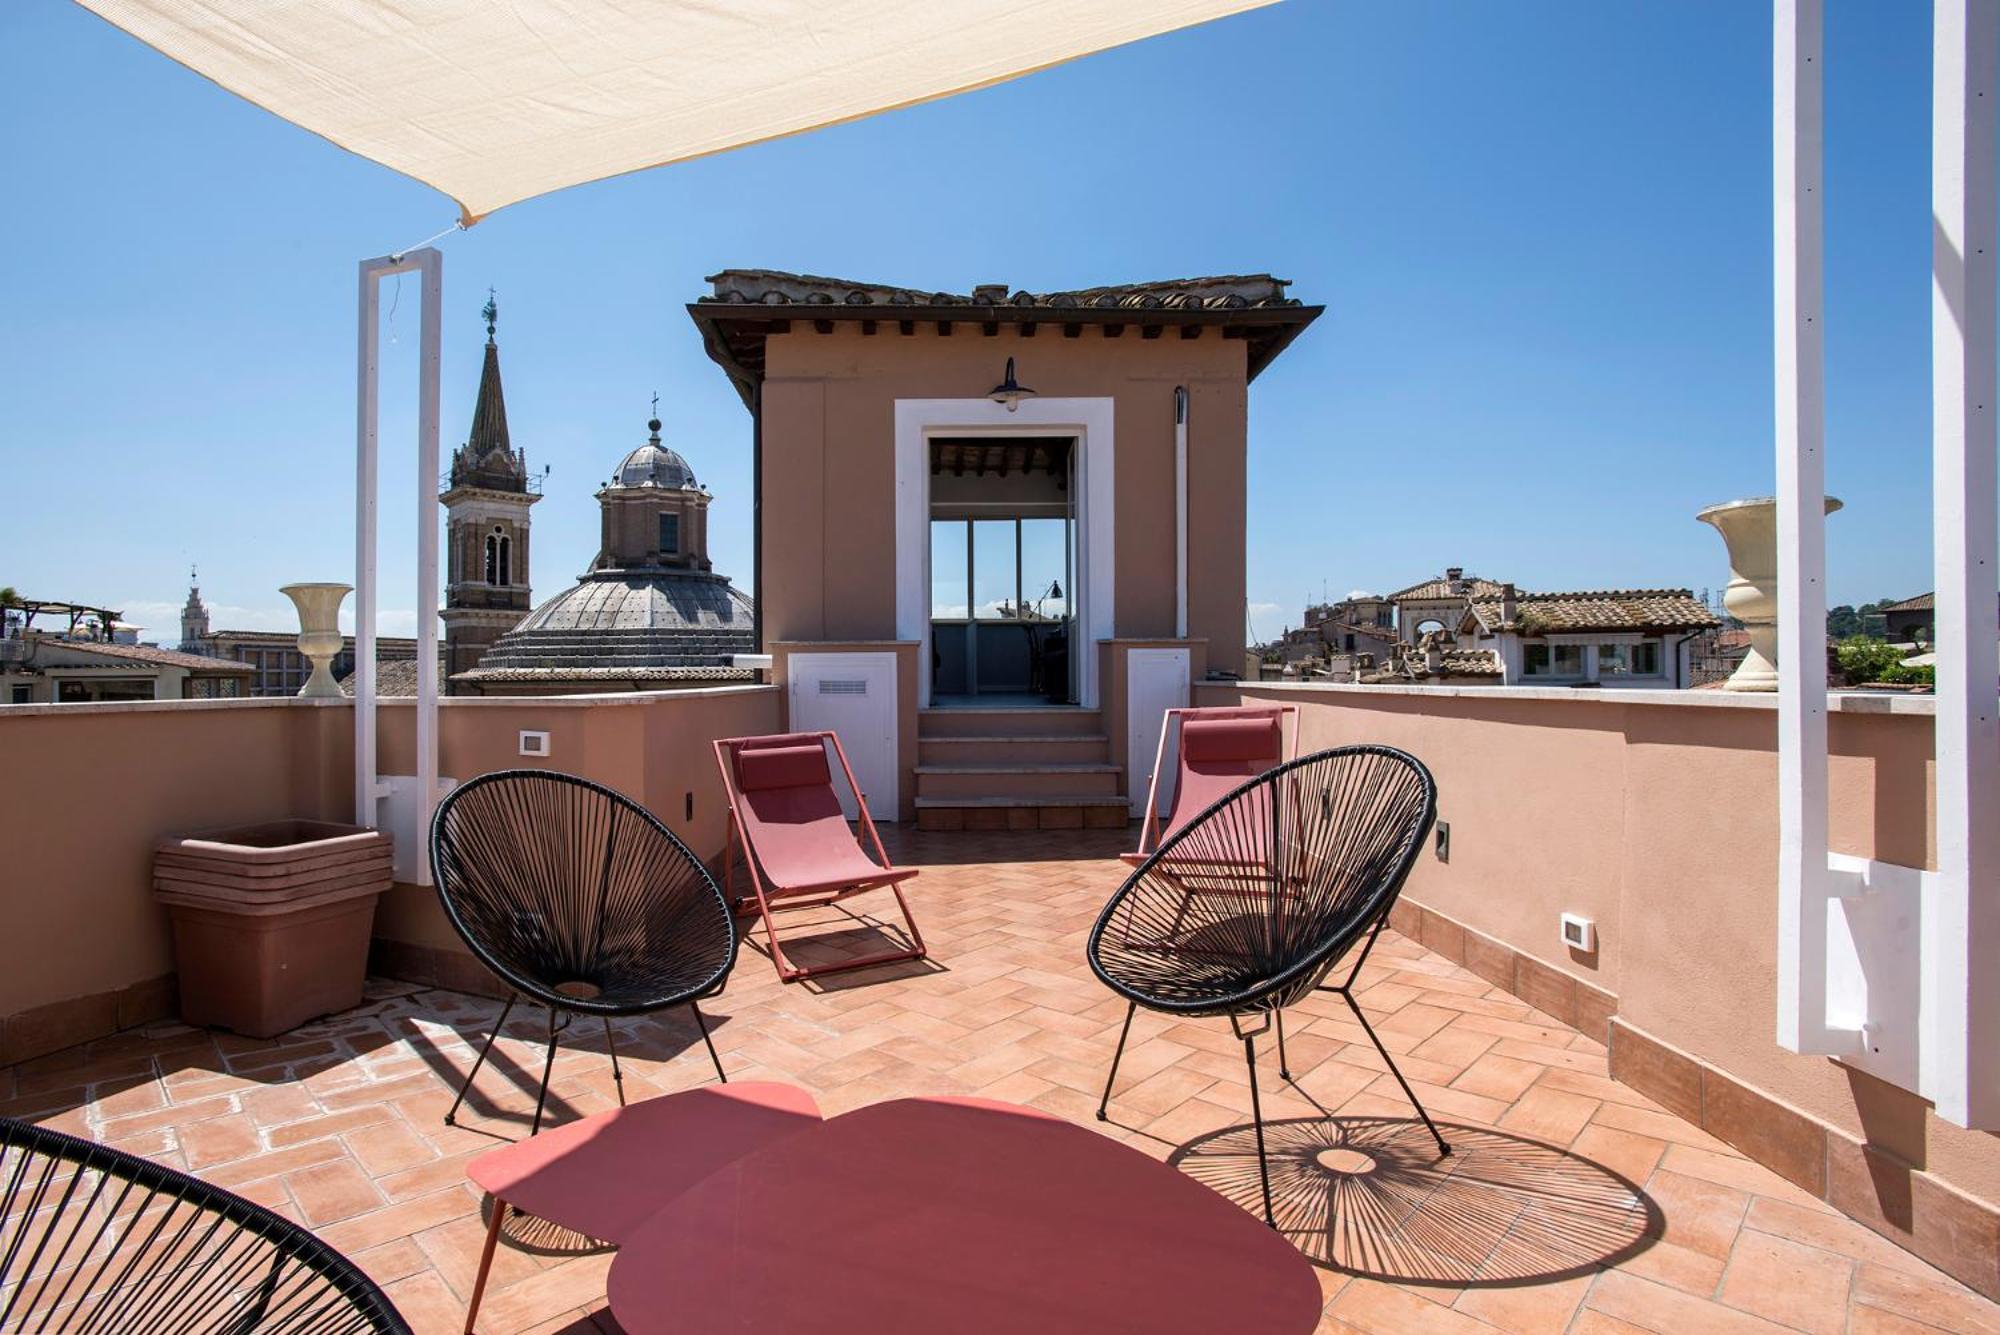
(920, 1216)
(605, 1175)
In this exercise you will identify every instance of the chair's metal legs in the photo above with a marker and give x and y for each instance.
(1284, 1062)
(1257, 1116)
(617, 1076)
(1104, 1104)
(548, 1067)
(485, 1262)
(1393, 1070)
(720, 1074)
(450, 1118)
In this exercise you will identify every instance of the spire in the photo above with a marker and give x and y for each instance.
(489, 412)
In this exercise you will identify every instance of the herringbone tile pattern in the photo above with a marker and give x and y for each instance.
(1573, 1203)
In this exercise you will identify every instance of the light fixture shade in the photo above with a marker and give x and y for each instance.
(1009, 391)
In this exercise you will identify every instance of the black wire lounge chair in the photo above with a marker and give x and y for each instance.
(1252, 904)
(94, 1239)
(579, 899)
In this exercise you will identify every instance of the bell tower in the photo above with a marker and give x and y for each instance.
(486, 525)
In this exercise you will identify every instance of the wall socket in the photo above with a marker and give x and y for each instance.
(534, 743)
(1441, 841)
(1579, 933)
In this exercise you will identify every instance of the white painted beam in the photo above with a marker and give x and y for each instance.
(1801, 470)
(1961, 924)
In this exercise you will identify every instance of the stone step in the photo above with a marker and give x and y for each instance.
(1024, 781)
(1023, 813)
(1080, 748)
(1066, 720)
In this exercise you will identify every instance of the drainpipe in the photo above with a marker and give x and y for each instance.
(1180, 513)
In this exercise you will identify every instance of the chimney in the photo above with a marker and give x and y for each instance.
(1509, 604)
(1454, 578)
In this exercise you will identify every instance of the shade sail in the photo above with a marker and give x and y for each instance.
(496, 101)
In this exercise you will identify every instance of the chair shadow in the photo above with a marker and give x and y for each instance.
(1371, 1197)
(828, 934)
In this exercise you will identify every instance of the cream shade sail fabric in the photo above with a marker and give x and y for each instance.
(496, 101)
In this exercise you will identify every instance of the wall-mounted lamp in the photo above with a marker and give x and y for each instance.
(1009, 391)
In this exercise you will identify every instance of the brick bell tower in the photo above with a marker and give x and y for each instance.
(486, 526)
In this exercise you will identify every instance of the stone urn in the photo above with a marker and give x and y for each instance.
(320, 639)
(1749, 528)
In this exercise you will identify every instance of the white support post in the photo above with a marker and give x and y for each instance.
(366, 414)
(1803, 880)
(1961, 923)
(428, 264)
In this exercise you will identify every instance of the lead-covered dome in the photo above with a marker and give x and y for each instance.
(654, 465)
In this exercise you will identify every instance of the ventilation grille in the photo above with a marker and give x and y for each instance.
(829, 686)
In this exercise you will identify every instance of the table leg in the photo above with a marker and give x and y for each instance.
(485, 1261)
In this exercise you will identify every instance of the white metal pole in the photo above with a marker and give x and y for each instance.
(1801, 467)
(1960, 1057)
(432, 268)
(365, 411)
(1180, 512)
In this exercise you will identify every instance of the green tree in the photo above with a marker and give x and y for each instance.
(1842, 622)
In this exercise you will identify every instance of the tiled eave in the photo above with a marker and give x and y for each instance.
(734, 333)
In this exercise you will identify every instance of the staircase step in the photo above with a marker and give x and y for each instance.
(1022, 780)
(1066, 720)
(1079, 748)
(1069, 812)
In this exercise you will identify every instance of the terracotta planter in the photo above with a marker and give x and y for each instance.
(271, 922)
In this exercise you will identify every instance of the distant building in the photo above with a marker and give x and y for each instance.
(1438, 604)
(651, 613)
(1603, 637)
(486, 505)
(272, 656)
(1912, 621)
(95, 657)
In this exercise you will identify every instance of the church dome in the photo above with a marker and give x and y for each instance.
(654, 465)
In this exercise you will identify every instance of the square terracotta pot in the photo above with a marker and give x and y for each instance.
(271, 922)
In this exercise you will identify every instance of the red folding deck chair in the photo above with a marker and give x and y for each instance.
(1220, 749)
(786, 816)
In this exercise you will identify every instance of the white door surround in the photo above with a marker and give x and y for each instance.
(1089, 421)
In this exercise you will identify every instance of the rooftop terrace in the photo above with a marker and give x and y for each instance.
(1574, 1202)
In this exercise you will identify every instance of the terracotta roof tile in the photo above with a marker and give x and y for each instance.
(158, 657)
(1598, 610)
(775, 287)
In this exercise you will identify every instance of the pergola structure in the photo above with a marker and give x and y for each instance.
(1879, 965)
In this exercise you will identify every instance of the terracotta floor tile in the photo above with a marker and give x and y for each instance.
(340, 1124)
(1655, 1307)
(330, 1191)
(1932, 1299)
(1699, 1215)
(1789, 1283)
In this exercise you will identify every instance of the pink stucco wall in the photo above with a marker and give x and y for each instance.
(1656, 815)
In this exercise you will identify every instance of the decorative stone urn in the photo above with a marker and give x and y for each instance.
(319, 632)
(1749, 528)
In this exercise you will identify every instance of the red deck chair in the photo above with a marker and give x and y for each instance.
(1221, 749)
(786, 816)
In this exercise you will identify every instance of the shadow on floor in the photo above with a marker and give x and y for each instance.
(1371, 1197)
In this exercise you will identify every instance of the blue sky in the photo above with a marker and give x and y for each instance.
(1541, 232)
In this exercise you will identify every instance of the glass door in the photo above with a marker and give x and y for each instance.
(1000, 607)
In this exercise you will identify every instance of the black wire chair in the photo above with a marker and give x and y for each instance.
(579, 899)
(1251, 905)
(94, 1239)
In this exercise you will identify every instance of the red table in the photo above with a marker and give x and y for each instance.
(607, 1174)
(921, 1216)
